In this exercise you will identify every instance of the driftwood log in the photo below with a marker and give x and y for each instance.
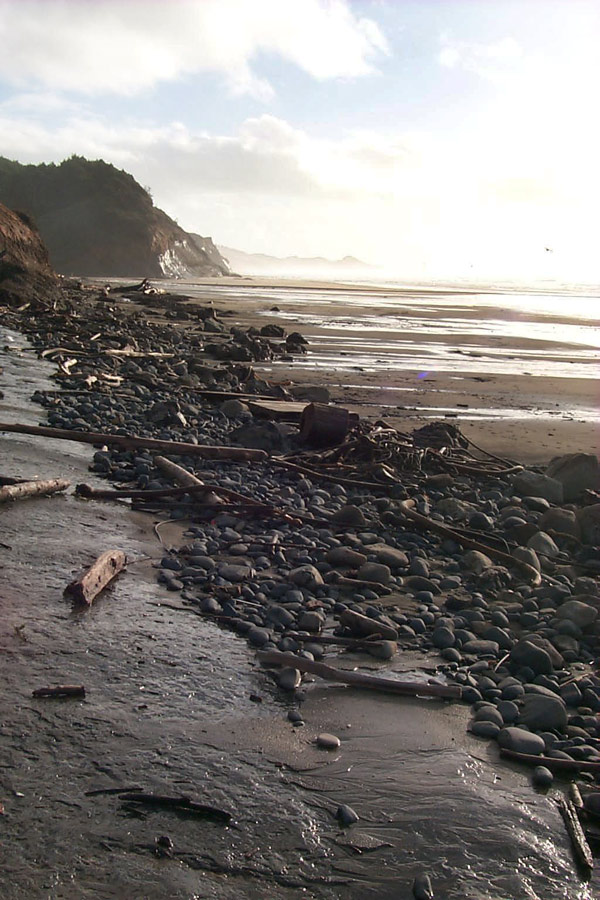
(358, 679)
(60, 690)
(131, 441)
(581, 848)
(557, 765)
(25, 489)
(177, 473)
(105, 568)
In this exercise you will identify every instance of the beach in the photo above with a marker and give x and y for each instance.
(176, 703)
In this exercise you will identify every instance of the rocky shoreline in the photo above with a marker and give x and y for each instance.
(351, 547)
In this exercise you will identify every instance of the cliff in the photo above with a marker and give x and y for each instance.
(25, 271)
(296, 266)
(97, 220)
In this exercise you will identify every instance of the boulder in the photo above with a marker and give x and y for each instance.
(532, 484)
(543, 713)
(562, 520)
(527, 654)
(521, 741)
(349, 515)
(345, 556)
(576, 472)
(306, 576)
(475, 561)
(589, 522)
(542, 543)
(527, 555)
(389, 556)
(376, 572)
(582, 614)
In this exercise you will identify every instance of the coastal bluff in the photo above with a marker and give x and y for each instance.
(96, 220)
(25, 270)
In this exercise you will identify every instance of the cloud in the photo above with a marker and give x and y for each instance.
(488, 60)
(111, 46)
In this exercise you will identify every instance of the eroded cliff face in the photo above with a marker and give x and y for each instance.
(25, 271)
(97, 220)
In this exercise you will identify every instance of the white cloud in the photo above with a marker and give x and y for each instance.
(127, 47)
(492, 60)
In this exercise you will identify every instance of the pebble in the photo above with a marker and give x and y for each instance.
(328, 741)
(346, 815)
(542, 777)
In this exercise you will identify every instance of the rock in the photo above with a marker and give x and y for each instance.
(235, 573)
(345, 556)
(576, 472)
(376, 572)
(581, 614)
(349, 515)
(542, 777)
(521, 741)
(509, 711)
(541, 713)
(526, 653)
(589, 522)
(312, 393)
(555, 656)
(571, 694)
(416, 583)
(264, 436)
(381, 649)
(311, 620)
(422, 889)
(289, 679)
(443, 637)
(489, 714)
(233, 408)
(258, 637)
(591, 804)
(542, 543)
(481, 648)
(476, 562)
(345, 814)
(484, 729)
(306, 576)
(562, 520)
(328, 741)
(389, 556)
(527, 555)
(530, 484)
(452, 508)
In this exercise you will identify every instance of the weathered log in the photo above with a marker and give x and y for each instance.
(106, 567)
(581, 848)
(130, 441)
(323, 426)
(356, 584)
(364, 626)
(438, 528)
(179, 804)
(557, 765)
(357, 679)
(177, 473)
(60, 690)
(26, 489)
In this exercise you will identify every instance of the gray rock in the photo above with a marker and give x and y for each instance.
(509, 711)
(443, 637)
(582, 614)
(381, 649)
(233, 408)
(589, 523)
(306, 576)
(481, 648)
(525, 653)
(311, 620)
(328, 741)
(289, 679)
(349, 515)
(562, 520)
(235, 573)
(484, 729)
(521, 741)
(345, 556)
(476, 562)
(312, 393)
(422, 889)
(489, 714)
(376, 572)
(267, 436)
(542, 543)
(527, 555)
(258, 636)
(576, 472)
(346, 815)
(541, 713)
(389, 556)
(416, 583)
(530, 484)
(542, 777)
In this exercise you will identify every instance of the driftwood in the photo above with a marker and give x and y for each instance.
(497, 555)
(357, 679)
(86, 588)
(131, 441)
(178, 804)
(356, 584)
(25, 489)
(177, 473)
(60, 690)
(558, 765)
(364, 626)
(581, 848)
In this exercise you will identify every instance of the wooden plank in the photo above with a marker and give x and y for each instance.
(291, 410)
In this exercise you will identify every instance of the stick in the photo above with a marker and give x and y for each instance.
(357, 679)
(581, 848)
(129, 441)
(60, 690)
(180, 804)
(86, 588)
(32, 489)
(498, 555)
(177, 473)
(566, 765)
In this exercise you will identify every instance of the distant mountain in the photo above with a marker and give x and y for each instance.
(97, 220)
(294, 266)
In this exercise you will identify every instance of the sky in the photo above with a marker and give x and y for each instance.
(435, 138)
